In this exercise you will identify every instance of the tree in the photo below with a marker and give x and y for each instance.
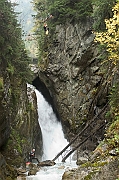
(111, 36)
(102, 11)
(13, 55)
(68, 9)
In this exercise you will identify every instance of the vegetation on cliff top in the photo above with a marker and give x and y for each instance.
(13, 56)
(63, 11)
(111, 39)
(102, 10)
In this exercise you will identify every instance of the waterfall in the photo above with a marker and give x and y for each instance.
(52, 133)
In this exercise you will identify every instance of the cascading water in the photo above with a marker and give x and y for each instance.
(53, 137)
(53, 142)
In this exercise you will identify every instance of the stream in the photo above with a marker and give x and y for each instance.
(53, 142)
(54, 172)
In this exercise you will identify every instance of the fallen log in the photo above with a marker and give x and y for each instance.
(74, 139)
(63, 160)
(69, 143)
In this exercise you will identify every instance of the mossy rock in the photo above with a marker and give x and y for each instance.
(18, 161)
(12, 172)
(9, 178)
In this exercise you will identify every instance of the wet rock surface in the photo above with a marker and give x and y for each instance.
(46, 163)
(99, 170)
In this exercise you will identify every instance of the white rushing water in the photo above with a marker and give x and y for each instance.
(53, 137)
(53, 142)
(53, 172)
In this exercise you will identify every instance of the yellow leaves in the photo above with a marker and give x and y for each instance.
(111, 36)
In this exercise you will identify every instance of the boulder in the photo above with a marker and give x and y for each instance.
(81, 160)
(46, 163)
(32, 172)
(21, 172)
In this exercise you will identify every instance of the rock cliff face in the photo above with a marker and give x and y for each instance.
(74, 74)
(5, 117)
(19, 127)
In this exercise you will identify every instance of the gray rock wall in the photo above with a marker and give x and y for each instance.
(74, 74)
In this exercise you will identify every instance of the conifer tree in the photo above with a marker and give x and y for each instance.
(102, 11)
(13, 55)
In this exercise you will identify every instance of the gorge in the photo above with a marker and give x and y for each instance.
(77, 75)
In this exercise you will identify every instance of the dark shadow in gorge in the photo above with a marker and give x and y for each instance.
(40, 86)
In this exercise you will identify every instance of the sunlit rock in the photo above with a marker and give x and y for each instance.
(81, 160)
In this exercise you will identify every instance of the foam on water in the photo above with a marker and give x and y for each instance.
(54, 172)
(52, 133)
(53, 142)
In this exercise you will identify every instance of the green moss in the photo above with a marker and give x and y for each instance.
(112, 136)
(10, 69)
(8, 178)
(99, 164)
(17, 161)
(95, 164)
(89, 176)
(11, 173)
(30, 107)
(87, 164)
(15, 147)
(16, 142)
(16, 137)
(95, 168)
(1, 82)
